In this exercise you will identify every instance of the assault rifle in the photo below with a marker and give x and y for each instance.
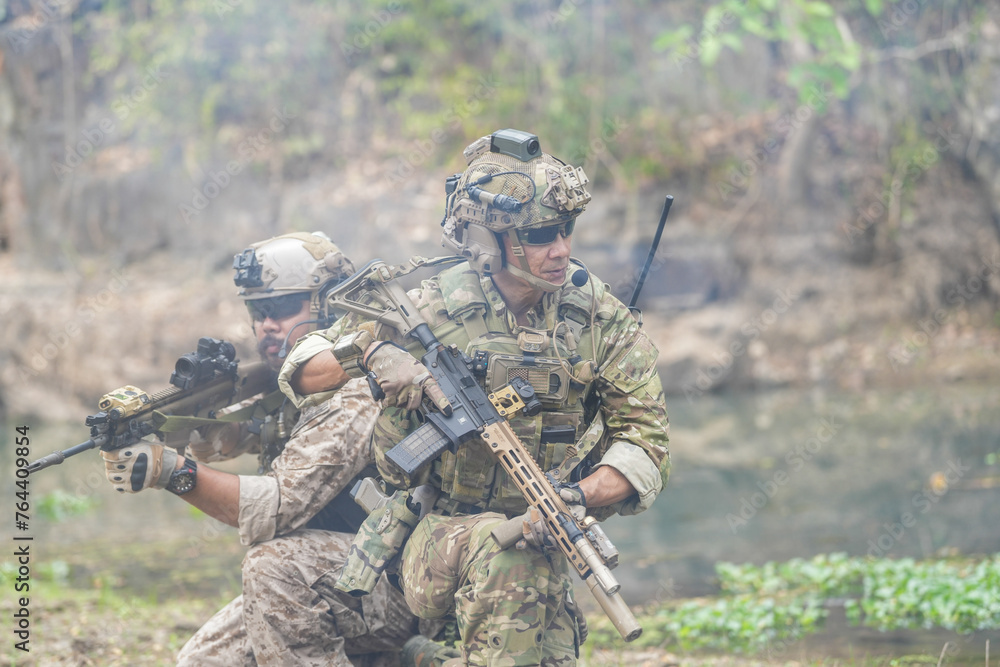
(476, 417)
(203, 381)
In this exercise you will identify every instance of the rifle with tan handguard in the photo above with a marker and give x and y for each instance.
(374, 293)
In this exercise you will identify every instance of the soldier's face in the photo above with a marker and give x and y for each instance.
(272, 329)
(548, 262)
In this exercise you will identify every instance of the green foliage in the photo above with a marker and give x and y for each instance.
(54, 571)
(49, 572)
(204, 72)
(781, 602)
(962, 597)
(818, 52)
(60, 505)
(741, 623)
(832, 575)
(402, 78)
(386, 83)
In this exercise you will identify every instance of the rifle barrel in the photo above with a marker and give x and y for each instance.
(55, 458)
(616, 609)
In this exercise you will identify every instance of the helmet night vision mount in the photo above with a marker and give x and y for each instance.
(515, 143)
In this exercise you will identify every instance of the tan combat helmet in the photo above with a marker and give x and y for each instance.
(510, 185)
(299, 263)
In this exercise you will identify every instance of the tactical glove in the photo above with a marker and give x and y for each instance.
(419, 651)
(536, 533)
(403, 379)
(572, 494)
(140, 466)
(209, 444)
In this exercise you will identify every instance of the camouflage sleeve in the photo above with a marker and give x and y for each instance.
(328, 447)
(259, 498)
(306, 348)
(315, 342)
(632, 402)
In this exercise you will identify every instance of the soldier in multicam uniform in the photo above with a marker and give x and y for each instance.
(602, 433)
(296, 518)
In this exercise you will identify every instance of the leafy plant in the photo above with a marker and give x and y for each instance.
(60, 505)
(781, 602)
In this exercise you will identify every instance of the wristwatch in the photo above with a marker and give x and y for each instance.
(183, 479)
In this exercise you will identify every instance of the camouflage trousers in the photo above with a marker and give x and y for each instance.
(289, 613)
(512, 606)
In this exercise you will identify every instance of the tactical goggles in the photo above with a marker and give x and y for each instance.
(277, 307)
(545, 235)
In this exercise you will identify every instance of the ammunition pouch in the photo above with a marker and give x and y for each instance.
(376, 546)
(350, 351)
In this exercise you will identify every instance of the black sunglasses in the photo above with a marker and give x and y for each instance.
(545, 235)
(277, 308)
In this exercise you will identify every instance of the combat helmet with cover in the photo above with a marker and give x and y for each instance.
(277, 274)
(510, 185)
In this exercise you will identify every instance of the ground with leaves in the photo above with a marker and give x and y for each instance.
(801, 612)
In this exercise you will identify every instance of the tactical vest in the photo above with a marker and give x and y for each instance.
(556, 436)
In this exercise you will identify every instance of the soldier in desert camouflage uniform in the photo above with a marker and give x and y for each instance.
(602, 432)
(297, 518)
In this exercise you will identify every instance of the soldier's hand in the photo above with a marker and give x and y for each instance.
(209, 444)
(140, 466)
(404, 379)
(536, 533)
(572, 494)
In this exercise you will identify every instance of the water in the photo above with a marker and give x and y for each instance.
(756, 477)
(793, 474)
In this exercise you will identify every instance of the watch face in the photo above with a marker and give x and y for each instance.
(183, 480)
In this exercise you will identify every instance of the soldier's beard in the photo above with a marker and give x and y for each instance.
(267, 355)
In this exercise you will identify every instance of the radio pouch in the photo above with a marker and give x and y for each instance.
(378, 542)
